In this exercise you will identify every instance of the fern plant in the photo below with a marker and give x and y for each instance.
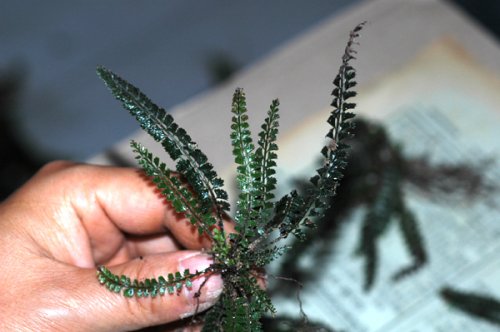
(261, 222)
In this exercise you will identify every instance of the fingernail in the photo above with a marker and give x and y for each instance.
(211, 289)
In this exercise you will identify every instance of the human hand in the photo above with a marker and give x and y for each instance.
(67, 220)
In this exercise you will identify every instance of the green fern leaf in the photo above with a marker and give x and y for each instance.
(241, 315)
(191, 162)
(173, 188)
(236, 314)
(247, 176)
(265, 157)
(335, 152)
(299, 209)
(148, 287)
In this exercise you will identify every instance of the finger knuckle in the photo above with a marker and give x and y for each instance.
(56, 166)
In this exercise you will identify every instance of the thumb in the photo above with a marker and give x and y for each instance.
(114, 311)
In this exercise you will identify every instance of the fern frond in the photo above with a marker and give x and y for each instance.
(335, 151)
(176, 192)
(244, 304)
(327, 179)
(247, 176)
(243, 149)
(259, 300)
(265, 157)
(147, 287)
(191, 161)
(239, 315)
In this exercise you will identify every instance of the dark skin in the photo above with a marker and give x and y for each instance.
(67, 220)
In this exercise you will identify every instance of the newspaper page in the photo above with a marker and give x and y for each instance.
(442, 105)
